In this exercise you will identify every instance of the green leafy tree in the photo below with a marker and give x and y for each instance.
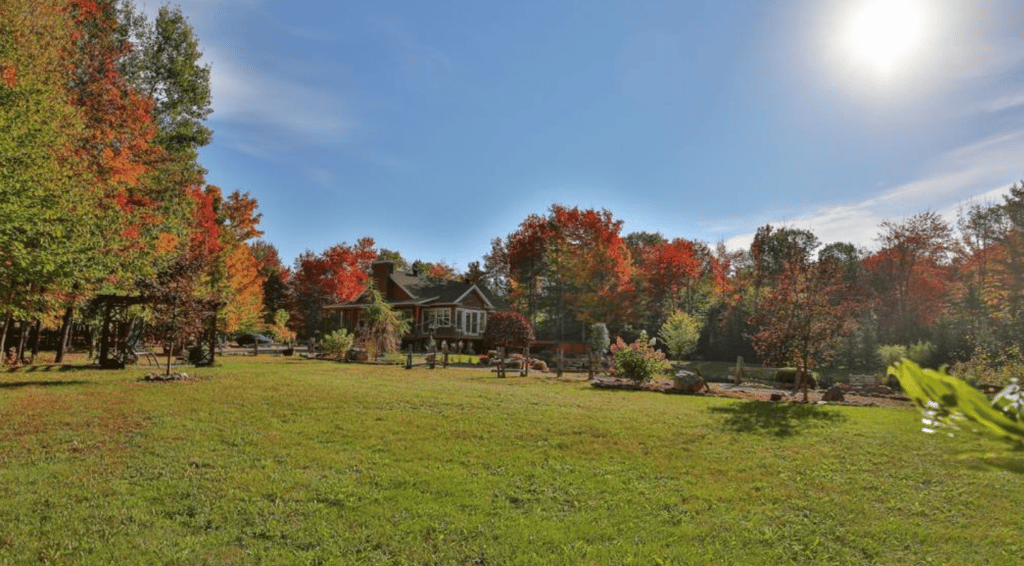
(681, 333)
(164, 65)
(597, 344)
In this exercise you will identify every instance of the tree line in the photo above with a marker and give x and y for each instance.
(102, 114)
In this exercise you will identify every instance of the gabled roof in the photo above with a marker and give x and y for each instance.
(429, 292)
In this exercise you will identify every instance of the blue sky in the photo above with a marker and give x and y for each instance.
(436, 126)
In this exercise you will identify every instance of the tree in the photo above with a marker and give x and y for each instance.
(76, 140)
(395, 257)
(164, 65)
(275, 276)
(475, 274)
(508, 329)
(680, 333)
(800, 320)
(564, 269)
(384, 327)
(774, 249)
(910, 275)
(244, 293)
(338, 343)
(281, 331)
(339, 274)
(597, 343)
(177, 309)
(1011, 263)
(39, 126)
(977, 300)
(676, 275)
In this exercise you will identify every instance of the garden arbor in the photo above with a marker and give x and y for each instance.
(121, 332)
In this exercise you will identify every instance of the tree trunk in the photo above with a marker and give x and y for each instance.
(105, 338)
(22, 340)
(65, 334)
(3, 340)
(35, 341)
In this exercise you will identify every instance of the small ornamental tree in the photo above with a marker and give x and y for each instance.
(338, 343)
(680, 333)
(638, 361)
(597, 343)
(280, 328)
(508, 329)
(385, 327)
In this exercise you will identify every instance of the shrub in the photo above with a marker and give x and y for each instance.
(788, 375)
(638, 361)
(198, 354)
(989, 368)
(921, 353)
(338, 343)
(890, 354)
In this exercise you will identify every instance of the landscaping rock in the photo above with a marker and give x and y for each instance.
(167, 377)
(834, 394)
(690, 383)
(879, 390)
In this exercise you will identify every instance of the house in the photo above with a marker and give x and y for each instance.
(447, 310)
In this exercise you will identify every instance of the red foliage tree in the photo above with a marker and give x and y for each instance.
(508, 329)
(339, 274)
(570, 264)
(802, 317)
(911, 275)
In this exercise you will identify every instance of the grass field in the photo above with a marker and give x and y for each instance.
(290, 461)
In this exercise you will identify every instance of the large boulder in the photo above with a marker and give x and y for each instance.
(834, 394)
(689, 382)
(788, 376)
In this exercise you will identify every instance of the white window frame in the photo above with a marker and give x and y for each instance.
(471, 322)
(438, 317)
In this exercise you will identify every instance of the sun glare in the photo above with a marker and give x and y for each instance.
(884, 32)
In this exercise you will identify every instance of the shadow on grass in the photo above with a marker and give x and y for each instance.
(774, 419)
(47, 368)
(16, 384)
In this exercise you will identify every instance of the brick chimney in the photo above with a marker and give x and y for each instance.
(382, 270)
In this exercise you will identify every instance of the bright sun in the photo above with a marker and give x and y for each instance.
(883, 32)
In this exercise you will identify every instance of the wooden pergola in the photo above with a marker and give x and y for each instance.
(116, 349)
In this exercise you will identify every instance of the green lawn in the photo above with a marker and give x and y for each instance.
(291, 461)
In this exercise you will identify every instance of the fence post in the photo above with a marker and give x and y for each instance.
(738, 374)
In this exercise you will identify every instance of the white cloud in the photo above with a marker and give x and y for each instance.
(282, 110)
(247, 95)
(1004, 103)
(980, 172)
